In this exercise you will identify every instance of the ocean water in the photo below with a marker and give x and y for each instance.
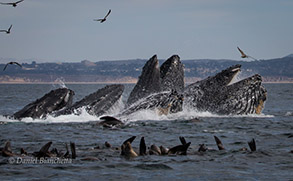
(272, 131)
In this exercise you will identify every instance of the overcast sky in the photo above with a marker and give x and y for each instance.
(64, 30)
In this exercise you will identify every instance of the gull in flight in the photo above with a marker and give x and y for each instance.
(11, 64)
(12, 4)
(243, 55)
(7, 31)
(104, 19)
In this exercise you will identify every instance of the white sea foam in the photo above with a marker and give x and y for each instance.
(289, 113)
(150, 115)
(183, 115)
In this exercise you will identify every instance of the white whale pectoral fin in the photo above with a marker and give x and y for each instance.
(259, 107)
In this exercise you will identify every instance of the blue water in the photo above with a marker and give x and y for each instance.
(272, 131)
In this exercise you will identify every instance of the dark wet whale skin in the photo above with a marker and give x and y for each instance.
(53, 101)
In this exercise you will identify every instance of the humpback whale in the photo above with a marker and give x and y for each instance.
(59, 102)
(53, 101)
(97, 103)
(216, 94)
(172, 74)
(161, 89)
(148, 82)
(158, 87)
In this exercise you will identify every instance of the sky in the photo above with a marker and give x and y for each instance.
(64, 30)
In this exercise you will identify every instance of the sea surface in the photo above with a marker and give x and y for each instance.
(272, 131)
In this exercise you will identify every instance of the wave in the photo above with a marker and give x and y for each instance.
(289, 113)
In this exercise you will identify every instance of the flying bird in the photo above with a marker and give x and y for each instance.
(11, 64)
(243, 55)
(12, 4)
(7, 31)
(104, 19)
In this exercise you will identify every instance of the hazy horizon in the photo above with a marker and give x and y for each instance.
(64, 31)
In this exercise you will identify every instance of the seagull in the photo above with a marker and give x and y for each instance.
(243, 55)
(11, 64)
(104, 19)
(13, 4)
(7, 31)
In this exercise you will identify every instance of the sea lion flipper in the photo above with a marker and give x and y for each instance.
(73, 151)
(130, 140)
(66, 155)
(22, 151)
(7, 146)
(219, 143)
(46, 147)
(252, 145)
(43, 151)
(182, 139)
(142, 147)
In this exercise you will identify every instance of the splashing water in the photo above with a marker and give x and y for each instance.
(59, 83)
(141, 115)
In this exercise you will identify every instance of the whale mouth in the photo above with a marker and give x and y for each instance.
(235, 77)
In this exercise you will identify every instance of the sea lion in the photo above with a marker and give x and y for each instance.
(7, 151)
(180, 149)
(154, 150)
(130, 140)
(109, 121)
(128, 150)
(164, 150)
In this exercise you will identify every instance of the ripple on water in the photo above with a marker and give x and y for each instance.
(158, 166)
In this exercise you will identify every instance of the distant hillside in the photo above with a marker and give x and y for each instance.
(291, 55)
(128, 70)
